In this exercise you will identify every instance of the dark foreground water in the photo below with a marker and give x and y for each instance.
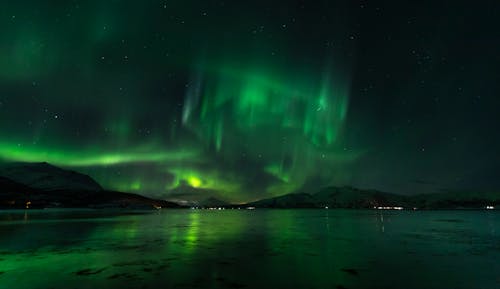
(250, 249)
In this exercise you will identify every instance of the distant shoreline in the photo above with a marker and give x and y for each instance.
(87, 209)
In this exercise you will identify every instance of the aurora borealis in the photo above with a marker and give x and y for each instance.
(241, 100)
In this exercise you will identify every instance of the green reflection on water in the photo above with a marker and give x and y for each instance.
(241, 248)
(193, 230)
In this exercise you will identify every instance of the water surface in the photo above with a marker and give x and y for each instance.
(249, 249)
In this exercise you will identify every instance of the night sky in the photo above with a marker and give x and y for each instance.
(242, 100)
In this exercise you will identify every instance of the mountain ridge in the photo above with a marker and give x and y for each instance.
(42, 185)
(45, 176)
(349, 197)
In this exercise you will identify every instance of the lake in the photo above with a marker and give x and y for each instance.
(249, 249)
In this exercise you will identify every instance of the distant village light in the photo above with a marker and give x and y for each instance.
(388, 208)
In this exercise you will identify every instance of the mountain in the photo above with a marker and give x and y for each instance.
(300, 200)
(333, 197)
(213, 202)
(186, 195)
(45, 176)
(41, 185)
(348, 197)
(13, 194)
(451, 200)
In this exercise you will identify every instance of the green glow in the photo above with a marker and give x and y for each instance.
(266, 98)
(28, 55)
(194, 182)
(173, 185)
(136, 185)
(204, 179)
(193, 231)
(33, 153)
(288, 117)
(277, 171)
(241, 121)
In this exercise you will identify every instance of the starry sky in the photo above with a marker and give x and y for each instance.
(241, 100)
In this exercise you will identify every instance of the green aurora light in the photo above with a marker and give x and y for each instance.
(172, 102)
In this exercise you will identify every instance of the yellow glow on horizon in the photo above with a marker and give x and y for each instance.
(194, 182)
